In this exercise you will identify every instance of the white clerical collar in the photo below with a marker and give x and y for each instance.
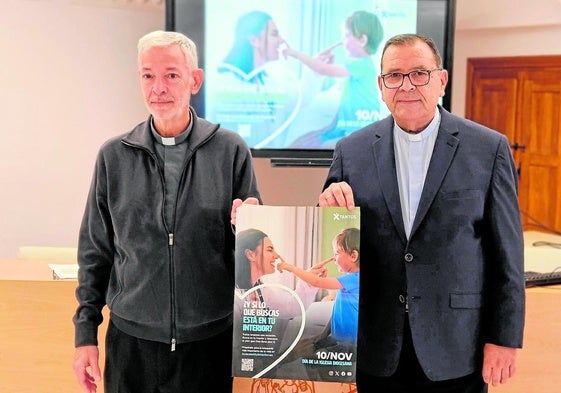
(174, 140)
(419, 136)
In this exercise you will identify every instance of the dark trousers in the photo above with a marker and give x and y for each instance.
(410, 378)
(133, 365)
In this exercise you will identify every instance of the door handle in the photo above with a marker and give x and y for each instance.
(516, 146)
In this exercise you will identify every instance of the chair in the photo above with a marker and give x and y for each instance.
(59, 254)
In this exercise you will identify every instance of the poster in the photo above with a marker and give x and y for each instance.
(296, 297)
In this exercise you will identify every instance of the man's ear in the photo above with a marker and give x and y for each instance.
(443, 81)
(354, 256)
(197, 76)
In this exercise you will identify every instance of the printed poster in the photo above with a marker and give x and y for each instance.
(296, 297)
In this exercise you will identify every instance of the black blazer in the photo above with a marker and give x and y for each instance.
(461, 273)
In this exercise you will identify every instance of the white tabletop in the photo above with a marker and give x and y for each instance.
(542, 252)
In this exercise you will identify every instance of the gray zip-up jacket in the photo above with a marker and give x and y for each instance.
(171, 285)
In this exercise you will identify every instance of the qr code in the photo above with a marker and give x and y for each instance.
(247, 364)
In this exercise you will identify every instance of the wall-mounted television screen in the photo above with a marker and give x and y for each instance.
(292, 77)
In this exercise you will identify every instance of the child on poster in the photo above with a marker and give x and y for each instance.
(344, 319)
(359, 106)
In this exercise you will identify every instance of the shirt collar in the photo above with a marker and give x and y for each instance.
(174, 140)
(419, 136)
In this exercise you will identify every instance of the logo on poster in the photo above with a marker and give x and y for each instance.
(339, 216)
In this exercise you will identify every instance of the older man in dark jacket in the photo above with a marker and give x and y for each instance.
(442, 291)
(156, 244)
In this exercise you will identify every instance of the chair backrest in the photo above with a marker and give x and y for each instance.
(61, 254)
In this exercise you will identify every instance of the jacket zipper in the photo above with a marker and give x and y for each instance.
(172, 287)
(170, 243)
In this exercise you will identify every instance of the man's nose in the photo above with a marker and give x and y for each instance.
(407, 85)
(159, 86)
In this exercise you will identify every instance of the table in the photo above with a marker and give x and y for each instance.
(36, 341)
(36, 336)
(542, 258)
(24, 269)
(36, 332)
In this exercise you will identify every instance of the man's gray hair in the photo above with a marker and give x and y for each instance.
(167, 38)
(410, 39)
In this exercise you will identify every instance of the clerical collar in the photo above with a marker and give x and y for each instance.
(419, 136)
(174, 140)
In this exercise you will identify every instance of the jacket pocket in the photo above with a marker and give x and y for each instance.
(465, 300)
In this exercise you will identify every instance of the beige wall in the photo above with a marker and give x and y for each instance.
(69, 83)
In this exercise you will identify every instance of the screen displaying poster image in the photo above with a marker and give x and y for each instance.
(296, 297)
(298, 74)
(293, 77)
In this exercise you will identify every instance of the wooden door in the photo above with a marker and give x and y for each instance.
(521, 97)
(540, 126)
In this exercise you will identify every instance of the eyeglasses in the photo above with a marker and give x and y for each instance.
(394, 80)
